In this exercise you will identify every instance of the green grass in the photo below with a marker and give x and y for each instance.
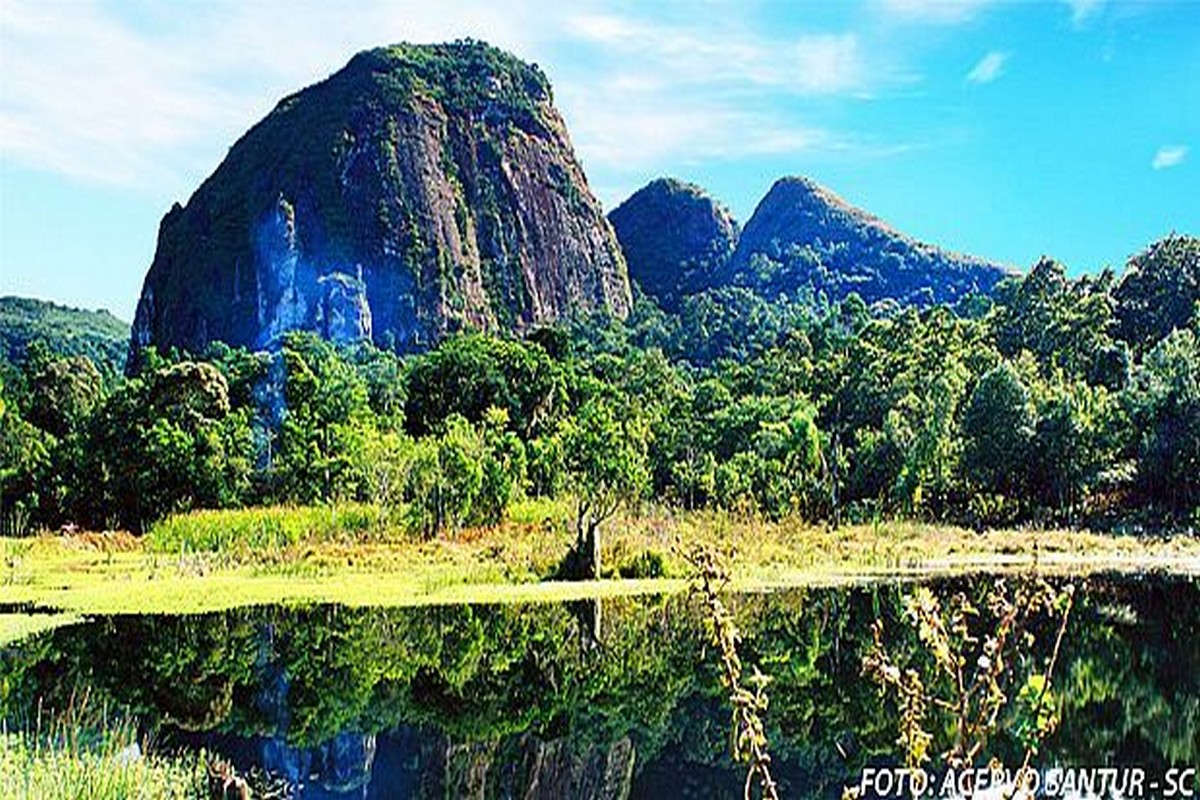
(217, 560)
(84, 753)
(253, 531)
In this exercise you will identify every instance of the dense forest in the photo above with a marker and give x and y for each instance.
(1054, 401)
(66, 331)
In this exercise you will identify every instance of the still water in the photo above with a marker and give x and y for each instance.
(611, 699)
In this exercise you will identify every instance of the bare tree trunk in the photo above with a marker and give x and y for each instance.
(592, 551)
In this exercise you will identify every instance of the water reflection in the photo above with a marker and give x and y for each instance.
(587, 699)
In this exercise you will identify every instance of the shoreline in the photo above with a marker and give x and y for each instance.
(52, 580)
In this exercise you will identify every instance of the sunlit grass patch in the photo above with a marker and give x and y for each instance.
(264, 530)
(206, 561)
(85, 752)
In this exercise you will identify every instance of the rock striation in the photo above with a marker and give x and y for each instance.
(420, 190)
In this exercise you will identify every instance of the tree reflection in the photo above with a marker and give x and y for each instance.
(592, 699)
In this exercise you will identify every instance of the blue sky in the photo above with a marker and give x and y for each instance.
(1003, 129)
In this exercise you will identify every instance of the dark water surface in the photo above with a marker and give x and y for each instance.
(597, 699)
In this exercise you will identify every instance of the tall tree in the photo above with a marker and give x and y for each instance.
(167, 440)
(1159, 291)
(998, 427)
(605, 448)
(324, 425)
(1163, 403)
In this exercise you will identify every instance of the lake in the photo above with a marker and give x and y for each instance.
(598, 699)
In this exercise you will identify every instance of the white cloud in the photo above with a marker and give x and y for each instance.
(676, 93)
(989, 68)
(626, 123)
(137, 95)
(1169, 156)
(942, 12)
(1081, 10)
(152, 95)
(807, 64)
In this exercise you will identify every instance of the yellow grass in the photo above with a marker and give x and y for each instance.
(117, 573)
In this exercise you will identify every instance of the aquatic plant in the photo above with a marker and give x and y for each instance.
(967, 669)
(87, 751)
(747, 694)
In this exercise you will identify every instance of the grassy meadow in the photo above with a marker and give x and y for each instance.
(215, 560)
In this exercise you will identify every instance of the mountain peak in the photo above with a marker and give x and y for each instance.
(802, 236)
(674, 236)
(419, 190)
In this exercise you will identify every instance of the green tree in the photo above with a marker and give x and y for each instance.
(503, 468)
(167, 441)
(467, 375)
(605, 446)
(63, 393)
(546, 465)
(998, 427)
(1159, 291)
(325, 425)
(386, 459)
(24, 461)
(1066, 324)
(445, 478)
(1163, 403)
(1072, 444)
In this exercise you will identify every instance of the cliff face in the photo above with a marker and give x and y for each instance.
(803, 236)
(674, 236)
(418, 191)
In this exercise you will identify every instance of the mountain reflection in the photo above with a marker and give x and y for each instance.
(591, 700)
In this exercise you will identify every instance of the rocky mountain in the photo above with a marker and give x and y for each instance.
(420, 190)
(68, 331)
(674, 236)
(802, 235)
(801, 239)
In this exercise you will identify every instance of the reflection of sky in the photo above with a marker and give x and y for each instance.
(1005, 129)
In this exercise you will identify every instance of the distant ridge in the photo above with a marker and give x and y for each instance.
(675, 236)
(803, 239)
(65, 330)
(802, 235)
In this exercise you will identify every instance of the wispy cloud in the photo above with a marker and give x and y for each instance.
(942, 12)
(136, 95)
(809, 64)
(988, 68)
(1082, 10)
(131, 95)
(1169, 156)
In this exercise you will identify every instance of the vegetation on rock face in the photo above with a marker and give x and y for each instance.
(419, 191)
(674, 237)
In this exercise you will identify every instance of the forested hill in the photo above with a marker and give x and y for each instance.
(67, 331)
(675, 237)
(802, 241)
(1056, 401)
(802, 235)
